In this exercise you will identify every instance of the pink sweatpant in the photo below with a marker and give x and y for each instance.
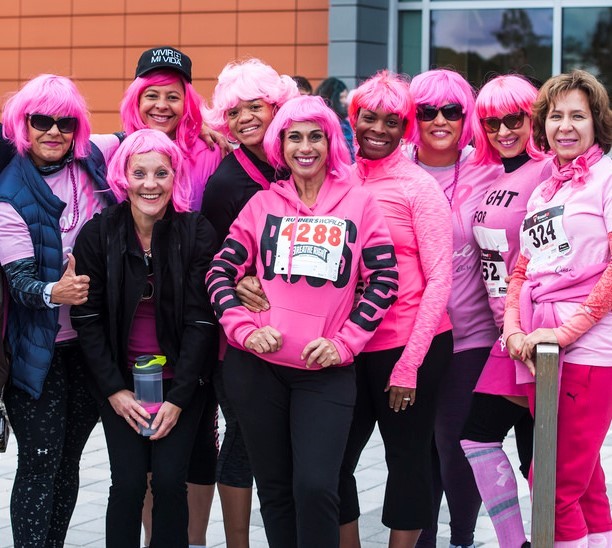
(585, 413)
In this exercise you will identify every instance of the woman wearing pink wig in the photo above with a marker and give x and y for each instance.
(560, 293)
(288, 371)
(502, 128)
(52, 186)
(441, 136)
(399, 370)
(162, 97)
(245, 99)
(146, 259)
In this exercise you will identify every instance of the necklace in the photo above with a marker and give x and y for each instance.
(75, 200)
(453, 185)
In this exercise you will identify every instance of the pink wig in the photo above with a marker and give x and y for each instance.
(498, 97)
(247, 81)
(51, 95)
(440, 87)
(190, 125)
(308, 108)
(387, 91)
(141, 142)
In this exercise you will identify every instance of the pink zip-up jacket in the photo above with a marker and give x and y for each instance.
(305, 307)
(419, 219)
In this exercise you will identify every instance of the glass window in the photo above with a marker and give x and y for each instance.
(409, 42)
(482, 42)
(587, 42)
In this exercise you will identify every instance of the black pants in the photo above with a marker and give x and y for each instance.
(131, 457)
(407, 436)
(51, 433)
(295, 424)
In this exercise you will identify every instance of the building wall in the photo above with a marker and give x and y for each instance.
(98, 42)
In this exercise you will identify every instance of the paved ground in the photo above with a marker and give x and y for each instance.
(87, 526)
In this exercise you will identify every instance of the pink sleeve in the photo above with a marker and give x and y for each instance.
(433, 230)
(16, 240)
(512, 319)
(235, 258)
(378, 267)
(596, 306)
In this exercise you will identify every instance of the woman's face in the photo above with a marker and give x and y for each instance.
(162, 107)
(305, 150)
(506, 141)
(440, 134)
(378, 132)
(569, 126)
(249, 120)
(50, 146)
(150, 178)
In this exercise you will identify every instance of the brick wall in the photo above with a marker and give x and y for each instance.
(98, 42)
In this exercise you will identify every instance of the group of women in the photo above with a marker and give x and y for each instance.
(408, 289)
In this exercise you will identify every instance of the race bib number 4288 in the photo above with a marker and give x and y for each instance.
(317, 244)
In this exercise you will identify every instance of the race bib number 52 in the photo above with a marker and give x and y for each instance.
(314, 245)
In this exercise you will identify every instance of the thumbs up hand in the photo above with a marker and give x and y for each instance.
(71, 289)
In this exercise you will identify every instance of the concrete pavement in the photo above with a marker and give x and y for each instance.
(87, 525)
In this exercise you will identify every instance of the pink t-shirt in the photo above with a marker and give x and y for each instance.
(568, 233)
(473, 325)
(496, 226)
(15, 241)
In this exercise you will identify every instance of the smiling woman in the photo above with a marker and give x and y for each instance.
(560, 293)
(399, 370)
(149, 240)
(53, 185)
(288, 371)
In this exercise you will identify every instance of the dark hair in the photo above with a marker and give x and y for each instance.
(599, 103)
(330, 89)
(303, 84)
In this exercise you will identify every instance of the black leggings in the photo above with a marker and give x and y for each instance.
(51, 433)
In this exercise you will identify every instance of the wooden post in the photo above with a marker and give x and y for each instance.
(545, 446)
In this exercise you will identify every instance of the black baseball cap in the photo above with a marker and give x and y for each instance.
(164, 57)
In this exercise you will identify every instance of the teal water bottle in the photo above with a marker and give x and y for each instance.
(148, 387)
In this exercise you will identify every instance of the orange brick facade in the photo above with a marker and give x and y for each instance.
(98, 42)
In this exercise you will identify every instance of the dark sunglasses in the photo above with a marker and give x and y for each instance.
(511, 121)
(42, 122)
(452, 112)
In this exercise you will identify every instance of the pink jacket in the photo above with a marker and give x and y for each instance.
(345, 223)
(419, 219)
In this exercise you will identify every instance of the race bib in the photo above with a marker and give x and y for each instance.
(492, 241)
(544, 236)
(314, 245)
(494, 273)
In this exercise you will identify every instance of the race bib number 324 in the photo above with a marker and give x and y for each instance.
(316, 243)
(544, 236)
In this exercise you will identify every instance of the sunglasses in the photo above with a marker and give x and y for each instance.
(42, 122)
(452, 112)
(511, 121)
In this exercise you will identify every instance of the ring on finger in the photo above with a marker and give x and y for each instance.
(406, 399)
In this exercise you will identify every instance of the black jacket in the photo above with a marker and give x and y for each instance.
(108, 251)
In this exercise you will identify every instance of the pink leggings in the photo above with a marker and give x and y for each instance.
(585, 412)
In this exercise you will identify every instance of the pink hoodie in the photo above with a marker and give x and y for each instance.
(305, 307)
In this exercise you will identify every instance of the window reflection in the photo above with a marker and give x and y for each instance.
(587, 42)
(478, 43)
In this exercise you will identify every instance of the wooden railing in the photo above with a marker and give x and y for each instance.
(545, 446)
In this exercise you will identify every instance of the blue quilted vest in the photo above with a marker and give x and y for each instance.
(31, 332)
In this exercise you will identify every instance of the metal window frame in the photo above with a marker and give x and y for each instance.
(427, 6)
